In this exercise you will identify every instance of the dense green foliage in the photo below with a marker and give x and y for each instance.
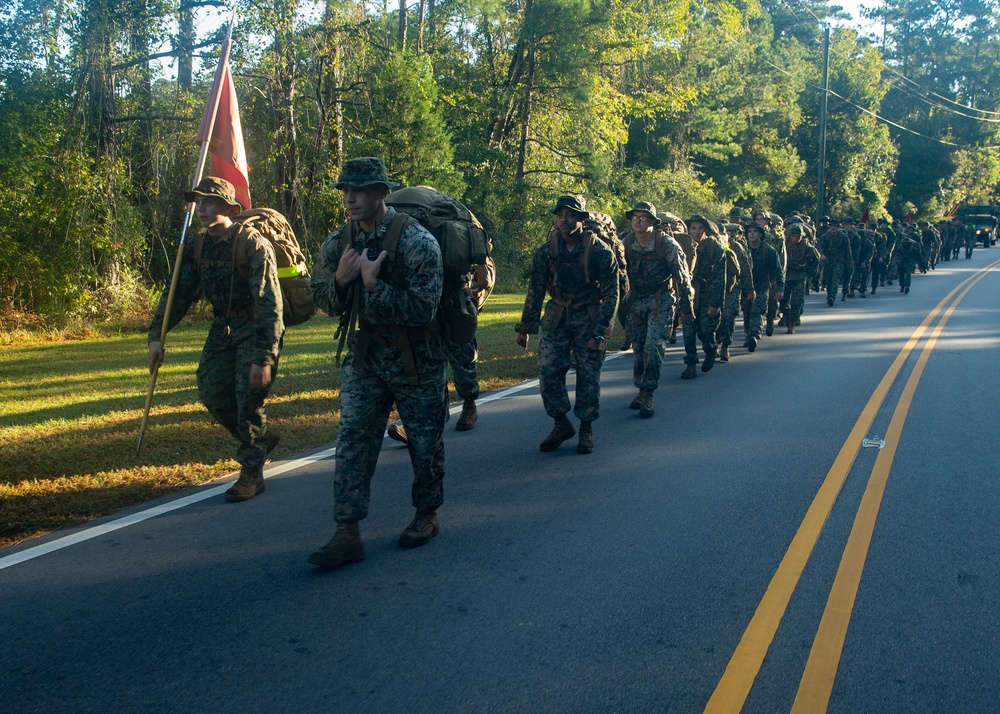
(696, 106)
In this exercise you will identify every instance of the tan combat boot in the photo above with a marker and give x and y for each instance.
(646, 410)
(724, 352)
(344, 547)
(690, 372)
(560, 432)
(398, 433)
(248, 485)
(469, 416)
(422, 528)
(586, 443)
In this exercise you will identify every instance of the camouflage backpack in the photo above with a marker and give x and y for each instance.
(293, 275)
(464, 246)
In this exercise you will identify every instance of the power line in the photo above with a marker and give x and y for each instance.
(939, 96)
(879, 117)
(938, 105)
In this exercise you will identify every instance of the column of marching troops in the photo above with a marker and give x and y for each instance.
(664, 278)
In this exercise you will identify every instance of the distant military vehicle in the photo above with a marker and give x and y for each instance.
(984, 220)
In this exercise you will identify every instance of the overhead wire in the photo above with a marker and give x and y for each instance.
(882, 118)
(939, 96)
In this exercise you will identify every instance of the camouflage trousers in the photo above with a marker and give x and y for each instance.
(833, 271)
(649, 332)
(727, 321)
(772, 301)
(848, 278)
(558, 350)
(224, 388)
(862, 274)
(904, 270)
(462, 359)
(702, 328)
(878, 272)
(794, 299)
(366, 397)
(755, 320)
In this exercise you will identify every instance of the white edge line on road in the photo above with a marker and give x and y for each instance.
(274, 470)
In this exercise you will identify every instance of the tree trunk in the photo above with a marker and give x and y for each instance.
(402, 24)
(185, 40)
(522, 149)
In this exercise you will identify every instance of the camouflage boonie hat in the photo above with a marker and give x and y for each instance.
(213, 187)
(648, 208)
(698, 218)
(794, 228)
(363, 172)
(577, 204)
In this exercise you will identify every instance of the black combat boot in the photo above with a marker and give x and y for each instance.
(344, 547)
(769, 330)
(751, 344)
(637, 402)
(560, 432)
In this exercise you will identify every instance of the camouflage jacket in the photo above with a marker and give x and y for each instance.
(646, 273)
(802, 262)
(414, 303)
(835, 245)
(866, 249)
(740, 249)
(766, 267)
(249, 306)
(601, 293)
(709, 277)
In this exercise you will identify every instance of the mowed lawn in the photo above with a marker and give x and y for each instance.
(70, 413)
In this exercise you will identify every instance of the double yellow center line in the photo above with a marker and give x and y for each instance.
(821, 668)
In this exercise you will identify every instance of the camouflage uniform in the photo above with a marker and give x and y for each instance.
(737, 293)
(836, 248)
(803, 260)
(247, 329)
(908, 253)
(767, 271)
(651, 313)
(866, 254)
(709, 284)
(584, 310)
(368, 390)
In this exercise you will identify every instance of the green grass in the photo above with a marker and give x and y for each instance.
(70, 413)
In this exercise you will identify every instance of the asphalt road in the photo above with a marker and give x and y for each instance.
(655, 575)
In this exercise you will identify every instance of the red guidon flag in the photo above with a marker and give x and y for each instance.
(866, 216)
(221, 127)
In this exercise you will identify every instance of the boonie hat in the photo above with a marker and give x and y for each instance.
(363, 172)
(577, 204)
(213, 187)
(648, 208)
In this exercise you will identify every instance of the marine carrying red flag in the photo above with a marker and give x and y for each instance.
(221, 122)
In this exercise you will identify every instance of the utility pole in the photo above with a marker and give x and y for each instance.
(821, 186)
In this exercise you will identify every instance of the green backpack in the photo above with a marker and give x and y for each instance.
(464, 245)
(293, 275)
